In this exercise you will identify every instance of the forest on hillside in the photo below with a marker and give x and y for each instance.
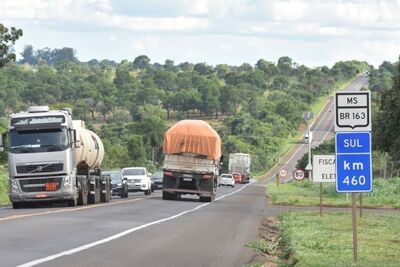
(130, 104)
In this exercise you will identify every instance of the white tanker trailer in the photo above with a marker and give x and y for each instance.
(53, 158)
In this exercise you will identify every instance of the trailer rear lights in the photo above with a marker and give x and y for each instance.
(168, 173)
(207, 176)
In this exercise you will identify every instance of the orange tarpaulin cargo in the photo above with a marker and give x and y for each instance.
(193, 136)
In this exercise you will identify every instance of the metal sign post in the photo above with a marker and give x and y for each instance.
(324, 172)
(354, 211)
(353, 149)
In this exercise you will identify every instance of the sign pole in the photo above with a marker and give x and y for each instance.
(353, 196)
(320, 199)
(360, 205)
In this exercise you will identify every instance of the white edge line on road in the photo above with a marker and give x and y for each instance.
(119, 235)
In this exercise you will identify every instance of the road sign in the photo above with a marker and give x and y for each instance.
(298, 174)
(353, 162)
(353, 111)
(282, 173)
(324, 169)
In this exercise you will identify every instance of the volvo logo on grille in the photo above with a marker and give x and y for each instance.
(39, 168)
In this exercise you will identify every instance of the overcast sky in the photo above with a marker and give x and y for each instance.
(311, 32)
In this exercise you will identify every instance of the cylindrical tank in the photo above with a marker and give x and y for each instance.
(90, 153)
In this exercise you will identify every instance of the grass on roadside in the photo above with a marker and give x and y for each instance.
(308, 239)
(305, 193)
(3, 187)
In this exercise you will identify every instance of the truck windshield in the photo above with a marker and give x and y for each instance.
(43, 140)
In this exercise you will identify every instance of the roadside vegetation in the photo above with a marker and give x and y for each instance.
(3, 186)
(385, 194)
(308, 239)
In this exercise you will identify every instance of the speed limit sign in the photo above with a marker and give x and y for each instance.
(282, 173)
(298, 174)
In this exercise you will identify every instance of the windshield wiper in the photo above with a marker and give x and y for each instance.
(51, 147)
(23, 148)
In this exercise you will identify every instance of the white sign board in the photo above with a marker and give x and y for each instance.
(353, 111)
(324, 169)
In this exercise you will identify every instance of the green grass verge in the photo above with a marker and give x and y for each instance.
(308, 239)
(3, 186)
(305, 193)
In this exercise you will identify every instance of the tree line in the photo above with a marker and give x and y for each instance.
(130, 104)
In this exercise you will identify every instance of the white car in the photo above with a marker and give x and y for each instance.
(226, 179)
(138, 179)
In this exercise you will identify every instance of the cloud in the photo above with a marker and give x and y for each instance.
(209, 30)
(94, 12)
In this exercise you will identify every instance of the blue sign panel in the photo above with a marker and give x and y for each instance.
(353, 162)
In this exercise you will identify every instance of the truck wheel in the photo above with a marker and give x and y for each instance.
(168, 196)
(16, 205)
(72, 202)
(83, 198)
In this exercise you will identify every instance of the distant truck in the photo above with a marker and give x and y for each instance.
(240, 163)
(192, 159)
(52, 158)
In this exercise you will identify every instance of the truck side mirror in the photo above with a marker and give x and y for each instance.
(77, 142)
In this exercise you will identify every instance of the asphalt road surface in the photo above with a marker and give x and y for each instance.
(146, 230)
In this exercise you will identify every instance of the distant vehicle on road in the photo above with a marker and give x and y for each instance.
(308, 137)
(119, 184)
(157, 180)
(226, 179)
(240, 163)
(138, 179)
(237, 177)
(192, 150)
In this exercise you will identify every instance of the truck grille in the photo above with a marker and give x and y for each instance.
(39, 184)
(40, 168)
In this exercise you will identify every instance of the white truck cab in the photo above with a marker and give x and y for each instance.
(138, 179)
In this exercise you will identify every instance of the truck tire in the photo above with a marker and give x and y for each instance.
(83, 197)
(105, 197)
(168, 196)
(72, 202)
(16, 205)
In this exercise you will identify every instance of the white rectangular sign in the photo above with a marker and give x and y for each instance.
(352, 111)
(324, 169)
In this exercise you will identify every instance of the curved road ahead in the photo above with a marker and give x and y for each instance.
(146, 230)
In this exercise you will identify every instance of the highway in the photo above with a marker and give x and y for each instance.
(322, 128)
(146, 230)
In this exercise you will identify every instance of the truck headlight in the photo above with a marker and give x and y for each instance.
(67, 180)
(119, 184)
(14, 186)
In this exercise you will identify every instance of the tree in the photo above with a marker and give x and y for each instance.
(141, 62)
(136, 150)
(7, 40)
(285, 65)
(387, 133)
(28, 55)
(63, 54)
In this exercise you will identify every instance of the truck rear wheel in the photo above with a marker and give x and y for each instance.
(168, 196)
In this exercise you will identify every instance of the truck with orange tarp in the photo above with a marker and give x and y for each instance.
(192, 151)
